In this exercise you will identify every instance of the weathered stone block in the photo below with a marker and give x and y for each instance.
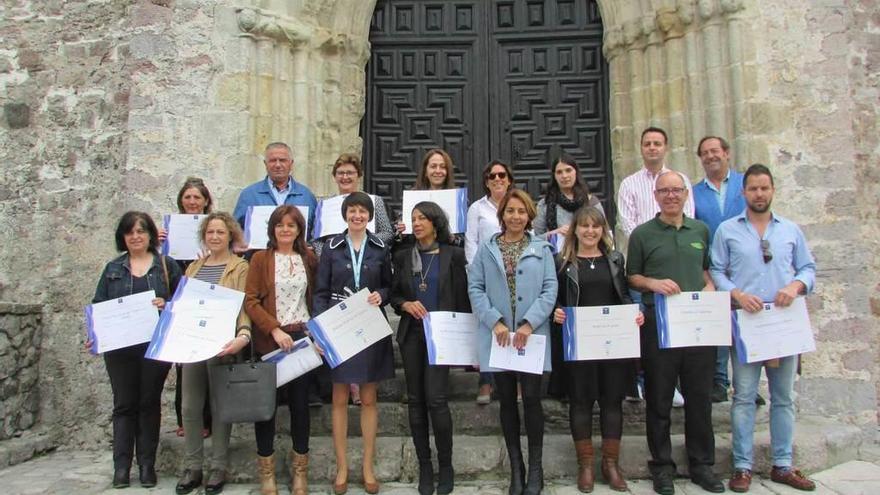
(18, 115)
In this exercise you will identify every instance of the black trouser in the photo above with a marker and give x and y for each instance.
(505, 384)
(580, 405)
(426, 389)
(297, 393)
(137, 397)
(560, 377)
(694, 367)
(178, 401)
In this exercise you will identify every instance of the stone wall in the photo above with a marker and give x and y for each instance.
(108, 106)
(20, 341)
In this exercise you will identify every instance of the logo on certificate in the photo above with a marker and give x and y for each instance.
(203, 323)
(342, 306)
(766, 307)
(120, 300)
(521, 352)
(606, 311)
(695, 296)
(212, 287)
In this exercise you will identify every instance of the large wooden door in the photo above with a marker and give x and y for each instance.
(516, 80)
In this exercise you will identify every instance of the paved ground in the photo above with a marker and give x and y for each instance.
(89, 473)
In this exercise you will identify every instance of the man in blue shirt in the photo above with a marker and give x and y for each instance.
(717, 198)
(761, 257)
(278, 188)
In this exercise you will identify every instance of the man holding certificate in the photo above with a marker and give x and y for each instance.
(761, 258)
(669, 255)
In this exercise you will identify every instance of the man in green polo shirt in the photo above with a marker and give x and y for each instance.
(668, 255)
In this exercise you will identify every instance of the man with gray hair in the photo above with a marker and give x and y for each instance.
(278, 188)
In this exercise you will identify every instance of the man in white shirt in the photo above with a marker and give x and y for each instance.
(635, 198)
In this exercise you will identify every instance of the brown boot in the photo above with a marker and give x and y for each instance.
(299, 474)
(585, 477)
(266, 469)
(610, 468)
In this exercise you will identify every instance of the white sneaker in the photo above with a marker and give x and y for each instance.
(677, 399)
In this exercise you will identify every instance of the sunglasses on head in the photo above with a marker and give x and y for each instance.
(765, 250)
(497, 175)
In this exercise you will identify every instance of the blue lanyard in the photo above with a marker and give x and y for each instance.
(356, 261)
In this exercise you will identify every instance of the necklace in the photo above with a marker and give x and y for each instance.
(423, 275)
(592, 260)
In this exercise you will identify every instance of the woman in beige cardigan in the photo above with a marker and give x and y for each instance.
(218, 232)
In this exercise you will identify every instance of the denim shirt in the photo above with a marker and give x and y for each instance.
(116, 279)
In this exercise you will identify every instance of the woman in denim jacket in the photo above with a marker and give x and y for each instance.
(135, 380)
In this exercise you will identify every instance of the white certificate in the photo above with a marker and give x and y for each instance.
(195, 290)
(454, 203)
(451, 338)
(692, 319)
(182, 236)
(348, 328)
(329, 219)
(189, 332)
(121, 322)
(529, 359)
(774, 332)
(256, 225)
(600, 332)
(302, 358)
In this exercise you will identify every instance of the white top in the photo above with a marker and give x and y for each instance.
(635, 199)
(290, 289)
(482, 224)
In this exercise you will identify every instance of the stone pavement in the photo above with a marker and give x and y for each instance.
(88, 472)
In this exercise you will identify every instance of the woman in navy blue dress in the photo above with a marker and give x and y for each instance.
(351, 261)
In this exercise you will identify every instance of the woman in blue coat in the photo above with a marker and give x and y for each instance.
(513, 288)
(351, 261)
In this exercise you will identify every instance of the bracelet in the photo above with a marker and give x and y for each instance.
(246, 336)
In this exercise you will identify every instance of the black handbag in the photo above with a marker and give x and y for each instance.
(243, 392)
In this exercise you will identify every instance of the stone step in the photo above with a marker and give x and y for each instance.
(468, 418)
(819, 443)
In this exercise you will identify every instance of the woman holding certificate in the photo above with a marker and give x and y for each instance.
(591, 273)
(278, 295)
(513, 289)
(135, 380)
(218, 232)
(431, 276)
(353, 260)
(436, 172)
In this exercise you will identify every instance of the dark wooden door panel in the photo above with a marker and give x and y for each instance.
(516, 80)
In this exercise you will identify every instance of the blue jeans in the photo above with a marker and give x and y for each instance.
(742, 414)
(722, 357)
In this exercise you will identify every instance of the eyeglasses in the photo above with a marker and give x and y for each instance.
(345, 173)
(670, 191)
(765, 250)
(497, 175)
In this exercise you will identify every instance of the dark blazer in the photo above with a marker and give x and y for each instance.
(569, 289)
(335, 271)
(453, 293)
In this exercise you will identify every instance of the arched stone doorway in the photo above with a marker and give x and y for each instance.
(516, 80)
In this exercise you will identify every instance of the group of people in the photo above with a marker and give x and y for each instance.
(504, 271)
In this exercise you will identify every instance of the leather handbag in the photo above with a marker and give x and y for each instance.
(243, 392)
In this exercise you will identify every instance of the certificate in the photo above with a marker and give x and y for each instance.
(529, 359)
(329, 219)
(600, 332)
(557, 242)
(451, 338)
(774, 332)
(348, 328)
(195, 290)
(693, 319)
(453, 202)
(189, 332)
(182, 236)
(121, 322)
(256, 225)
(302, 358)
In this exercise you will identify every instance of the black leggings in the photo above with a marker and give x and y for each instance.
(297, 393)
(505, 385)
(580, 416)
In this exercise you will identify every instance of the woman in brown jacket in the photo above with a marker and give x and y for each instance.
(218, 232)
(278, 296)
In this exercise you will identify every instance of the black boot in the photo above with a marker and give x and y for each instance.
(517, 470)
(426, 478)
(446, 482)
(147, 475)
(120, 477)
(536, 471)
